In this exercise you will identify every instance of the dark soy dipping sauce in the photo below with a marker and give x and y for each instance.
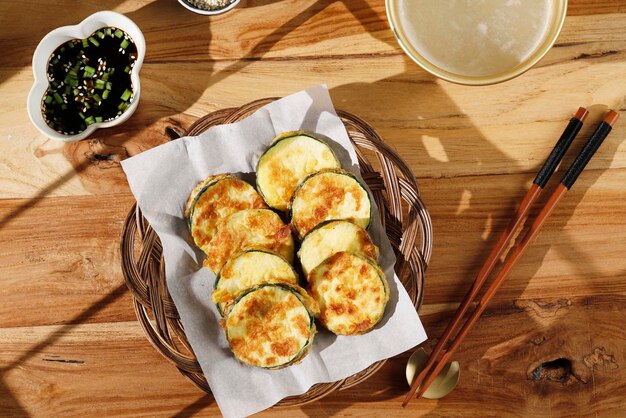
(89, 81)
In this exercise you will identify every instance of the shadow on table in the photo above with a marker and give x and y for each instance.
(194, 408)
(8, 403)
(96, 160)
(411, 101)
(562, 358)
(578, 255)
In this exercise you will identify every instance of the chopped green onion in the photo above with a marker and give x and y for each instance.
(85, 43)
(89, 120)
(109, 85)
(122, 106)
(108, 31)
(73, 82)
(127, 69)
(125, 44)
(48, 100)
(70, 44)
(105, 94)
(119, 33)
(126, 95)
(100, 34)
(98, 119)
(76, 92)
(97, 98)
(68, 89)
(105, 76)
(99, 84)
(111, 70)
(94, 41)
(58, 98)
(82, 115)
(89, 71)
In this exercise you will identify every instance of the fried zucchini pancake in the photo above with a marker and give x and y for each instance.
(195, 193)
(351, 292)
(213, 200)
(291, 157)
(331, 237)
(271, 326)
(247, 269)
(326, 195)
(260, 229)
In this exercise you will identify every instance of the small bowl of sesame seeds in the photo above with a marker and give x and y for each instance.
(209, 7)
(86, 76)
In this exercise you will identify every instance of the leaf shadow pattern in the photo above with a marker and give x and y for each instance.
(560, 242)
(8, 403)
(411, 93)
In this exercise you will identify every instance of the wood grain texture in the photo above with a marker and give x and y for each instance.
(508, 360)
(552, 343)
(72, 268)
(431, 124)
(432, 142)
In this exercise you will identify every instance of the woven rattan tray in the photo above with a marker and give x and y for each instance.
(404, 217)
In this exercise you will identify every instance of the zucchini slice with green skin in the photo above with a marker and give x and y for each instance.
(331, 237)
(351, 292)
(214, 200)
(329, 194)
(247, 269)
(271, 326)
(197, 191)
(291, 157)
(260, 229)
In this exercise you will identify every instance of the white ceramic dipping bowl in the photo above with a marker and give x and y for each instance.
(63, 34)
(200, 11)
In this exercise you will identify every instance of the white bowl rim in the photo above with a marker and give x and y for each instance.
(426, 65)
(208, 12)
(80, 31)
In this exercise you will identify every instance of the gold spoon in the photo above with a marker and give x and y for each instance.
(443, 384)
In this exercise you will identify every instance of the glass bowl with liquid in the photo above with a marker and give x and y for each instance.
(476, 42)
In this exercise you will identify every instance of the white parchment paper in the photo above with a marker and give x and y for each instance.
(161, 180)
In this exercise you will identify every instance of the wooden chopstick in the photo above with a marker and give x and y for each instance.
(567, 182)
(544, 174)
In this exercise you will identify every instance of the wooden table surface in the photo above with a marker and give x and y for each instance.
(553, 342)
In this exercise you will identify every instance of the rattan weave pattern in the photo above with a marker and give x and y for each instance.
(404, 216)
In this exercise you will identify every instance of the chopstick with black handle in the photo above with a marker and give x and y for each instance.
(592, 145)
(544, 174)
